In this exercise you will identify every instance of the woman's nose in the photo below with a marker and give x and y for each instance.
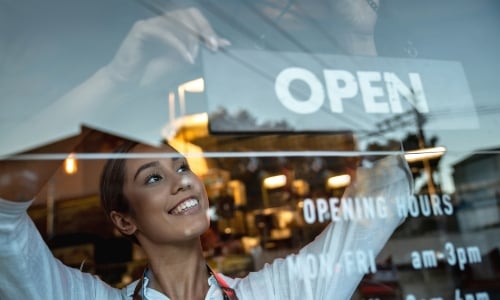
(182, 182)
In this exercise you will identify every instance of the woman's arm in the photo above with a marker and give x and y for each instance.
(332, 266)
(28, 268)
(346, 250)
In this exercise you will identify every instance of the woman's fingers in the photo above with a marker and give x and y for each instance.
(179, 33)
(204, 29)
(183, 30)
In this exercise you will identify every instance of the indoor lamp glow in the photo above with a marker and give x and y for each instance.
(339, 181)
(274, 182)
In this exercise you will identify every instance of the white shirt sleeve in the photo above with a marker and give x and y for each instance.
(332, 266)
(29, 270)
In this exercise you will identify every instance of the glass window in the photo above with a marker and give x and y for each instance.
(361, 131)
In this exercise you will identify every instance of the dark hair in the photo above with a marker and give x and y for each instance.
(112, 181)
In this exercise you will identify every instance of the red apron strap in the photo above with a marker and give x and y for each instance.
(138, 288)
(229, 293)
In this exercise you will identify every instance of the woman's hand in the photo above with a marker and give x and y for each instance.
(18, 184)
(162, 45)
(21, 180)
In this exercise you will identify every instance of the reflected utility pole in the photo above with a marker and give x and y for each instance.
(420, 119)
(406, 119)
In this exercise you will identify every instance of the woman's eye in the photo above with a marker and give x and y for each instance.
(153, 178)
(183, 168)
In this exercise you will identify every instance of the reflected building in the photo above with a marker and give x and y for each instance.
(477, 180)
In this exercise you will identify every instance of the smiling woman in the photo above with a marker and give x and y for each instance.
(159, 202)
(301, 90)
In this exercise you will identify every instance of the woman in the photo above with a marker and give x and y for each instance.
(159, 202)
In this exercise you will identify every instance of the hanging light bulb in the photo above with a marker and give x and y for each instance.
(70, 164)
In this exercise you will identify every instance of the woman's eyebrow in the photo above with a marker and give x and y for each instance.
(145, 166)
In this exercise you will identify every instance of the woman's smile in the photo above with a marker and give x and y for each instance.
(186, 207)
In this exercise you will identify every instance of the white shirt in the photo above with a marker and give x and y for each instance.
(28, 269)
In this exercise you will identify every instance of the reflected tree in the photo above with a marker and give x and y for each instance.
(242, 121)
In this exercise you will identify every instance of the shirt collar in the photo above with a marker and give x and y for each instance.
(213, 290)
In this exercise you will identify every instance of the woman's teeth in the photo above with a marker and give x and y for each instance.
(179, 209)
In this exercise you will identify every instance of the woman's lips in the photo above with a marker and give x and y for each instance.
(185, 207)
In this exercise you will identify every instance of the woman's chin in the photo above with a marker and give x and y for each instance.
(196, 228)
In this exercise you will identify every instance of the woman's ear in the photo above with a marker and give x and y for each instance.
(123, 222)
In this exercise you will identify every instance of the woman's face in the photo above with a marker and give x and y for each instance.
(168, 202)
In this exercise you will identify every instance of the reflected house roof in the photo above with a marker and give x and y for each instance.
(90, 155)
(477, 155)
(476, 176)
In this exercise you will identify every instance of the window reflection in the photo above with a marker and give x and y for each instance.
(130, 71)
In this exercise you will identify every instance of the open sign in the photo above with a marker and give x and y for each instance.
(341, 85)
(304, 92)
